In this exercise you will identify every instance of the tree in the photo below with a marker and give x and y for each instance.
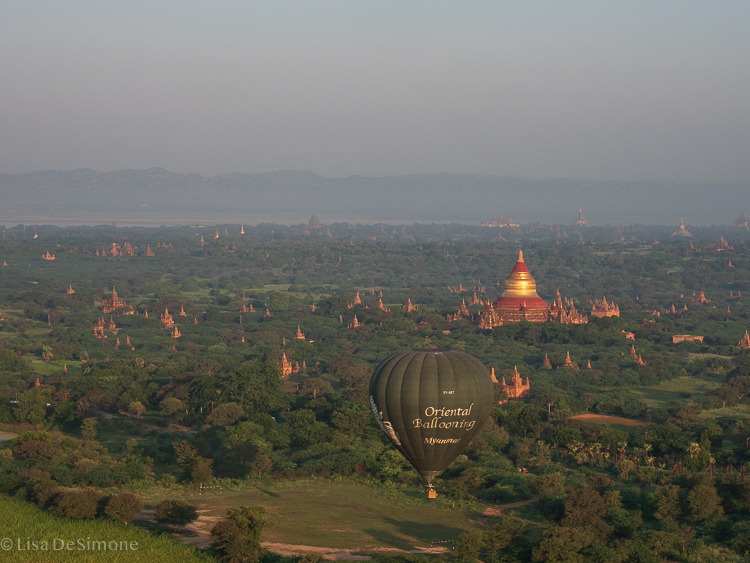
(32, 405)
(562, 545)
(625, 467)
(550, 484)
(137, 408)
(171, 405)
(88, 428)
(256, 387)
(584, 508)
(201, 471)
(46, 353)
(77, 504)
(668, 503)
(704, 502)
(226, 414)
(262, 463)
(315, 387)
(237, 538)
(184, 451)
(123, 507)
(469, 545)
(175, 513)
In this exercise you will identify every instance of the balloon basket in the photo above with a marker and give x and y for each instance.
(429, 492)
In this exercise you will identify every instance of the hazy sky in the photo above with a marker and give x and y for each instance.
(637, 90)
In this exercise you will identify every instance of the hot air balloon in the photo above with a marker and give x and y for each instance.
(431, 405)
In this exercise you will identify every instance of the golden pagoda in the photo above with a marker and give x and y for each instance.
(48, 256)
(149, 252)
(267, 315)
(284, 365)
(242, 229)
(71, 291)
(546, 363)
(355, 323)
(409, 307)
(182, 311)
(299, 335)
(203, 242)
(519, 301)
(603, 309)
(569, 363)
(176, 332)
(217, 233)
(114, 303)
(517, 388)
(682, 231)
(745, 341)
(166, 318)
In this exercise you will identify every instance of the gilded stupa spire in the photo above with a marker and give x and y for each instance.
(520, 284)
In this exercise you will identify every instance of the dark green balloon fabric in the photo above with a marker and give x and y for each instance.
(431, 405)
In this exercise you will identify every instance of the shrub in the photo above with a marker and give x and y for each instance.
(175, 513)
(123, 507)
(238, 536)
(77, 504)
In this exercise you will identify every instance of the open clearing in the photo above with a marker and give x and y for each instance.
(604, 419)
(676, 389)
(339, 516)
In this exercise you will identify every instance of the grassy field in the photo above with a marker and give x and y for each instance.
(735, 413)
(22, 521)
(322, 513)
(679, 388)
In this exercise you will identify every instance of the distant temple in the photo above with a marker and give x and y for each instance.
(284, 365)
(743, 222)
(114, 303)
(409, 307)
(604, 309)
(149, 252)
(463, 313)
(520, 302)
(546, 363)
(299, 335)
(722, 244)
(745, 341)
(517, 388)
(700, 298)
(499, 222)
(48, 256)
(166, 318)
(357, 301)
(580, 221)
(686, 338)
(682, 231)
(71, 291)
(569, 363)
(182, 311)
(176, 332)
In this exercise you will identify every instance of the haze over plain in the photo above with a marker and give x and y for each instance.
(581, 90)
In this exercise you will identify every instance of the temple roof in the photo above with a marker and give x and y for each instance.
(520, 288)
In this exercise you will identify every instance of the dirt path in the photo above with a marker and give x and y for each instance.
(498, 510)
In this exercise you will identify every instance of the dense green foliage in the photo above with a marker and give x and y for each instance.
(210, 405)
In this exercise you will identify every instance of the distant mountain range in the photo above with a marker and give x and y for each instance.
(292, 196)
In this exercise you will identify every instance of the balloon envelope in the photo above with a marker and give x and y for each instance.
(431, 405)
